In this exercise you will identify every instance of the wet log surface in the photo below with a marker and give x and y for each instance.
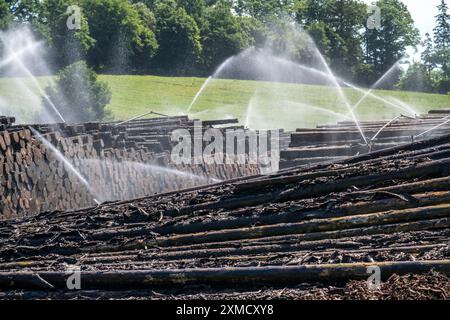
(319, 227)
(117, 161)
(342, 140)
(309, 231)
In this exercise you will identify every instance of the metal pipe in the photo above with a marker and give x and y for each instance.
(141, 116)
(160, 114)
(434, 128)
(384, 127)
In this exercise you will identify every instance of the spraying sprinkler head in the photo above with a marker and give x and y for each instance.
(446, 120)
(141, 116)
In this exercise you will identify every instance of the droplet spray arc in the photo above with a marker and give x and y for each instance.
(19, 45)
(66, 162)
(342, 96)
(205, 84)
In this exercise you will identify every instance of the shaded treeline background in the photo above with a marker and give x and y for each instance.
(193, 37)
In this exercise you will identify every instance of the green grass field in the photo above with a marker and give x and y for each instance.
(257, 104)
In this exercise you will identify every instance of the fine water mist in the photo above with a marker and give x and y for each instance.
(142, 179)
(22, 60)
(294, 81)
(67, 163)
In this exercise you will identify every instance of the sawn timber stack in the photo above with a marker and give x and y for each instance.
(118, 161)
(328, 143)
(309, 226)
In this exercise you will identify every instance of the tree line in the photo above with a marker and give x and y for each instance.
(193, 37)
(432, 72)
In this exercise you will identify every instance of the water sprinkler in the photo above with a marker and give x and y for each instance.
(65, 161)
(409, 117)
(447, 120)
(141, 116)
(385, 126)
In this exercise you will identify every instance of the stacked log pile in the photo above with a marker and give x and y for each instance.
(322, 225)
(113, 162)
(343, 140)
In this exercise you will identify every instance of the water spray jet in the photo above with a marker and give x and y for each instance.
(447, 120)
(343, 97)
(66, 162)
(375, 85)
(384, 127)
(141, 116)
(204, 85)
(14, 56)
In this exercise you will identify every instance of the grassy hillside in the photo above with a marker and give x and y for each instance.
(270, 104)
(258, 104)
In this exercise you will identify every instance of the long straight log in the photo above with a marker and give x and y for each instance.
(312, 226)
(238, 258)
(434, 168)
(383, 229)
(280, 179)
(307, 239)
(426, 225)
(407, 147)
(362, 207)
(277, 275)
(438, 184)
(386, 153)
(246, 253)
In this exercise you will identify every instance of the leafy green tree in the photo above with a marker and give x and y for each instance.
(364, 74)
(178, 37)
(148, 3)
(334, 26)
(223, 35)
(194, 8)
(386, 45)
(347, 17)
(25, 10)
(31, 13)
(78, 95)
(5, 16)
(68, 45)
(309, 11)
(318, 31)
(146, 15)
(141, 58)
(442, 39)
(416, 78)
(122, 37)
(428, 54)
(263, 10)
(253, 29)
(48, 21)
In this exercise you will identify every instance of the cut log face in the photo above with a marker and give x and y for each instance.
(331, 143)
(112, 163)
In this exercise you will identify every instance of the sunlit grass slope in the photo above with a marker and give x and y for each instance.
(257, 104)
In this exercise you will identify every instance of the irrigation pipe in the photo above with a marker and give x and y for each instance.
(141, 116)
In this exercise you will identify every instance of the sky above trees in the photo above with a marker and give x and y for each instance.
(423, 13)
